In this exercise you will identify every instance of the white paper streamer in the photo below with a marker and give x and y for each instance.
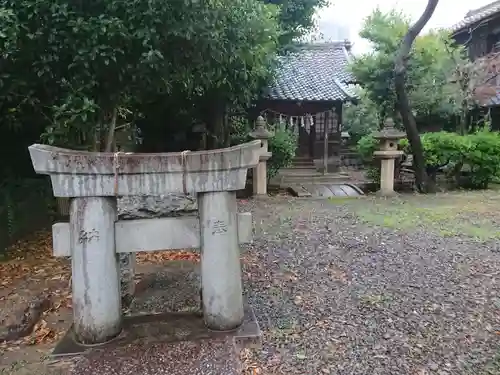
(306, 121)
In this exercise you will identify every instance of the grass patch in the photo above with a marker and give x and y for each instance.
(473, 214)
(343, 199)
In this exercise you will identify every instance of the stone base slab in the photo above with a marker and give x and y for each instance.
(165, 328)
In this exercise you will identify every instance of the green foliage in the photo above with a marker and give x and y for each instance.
(477, 154)
(283, 145)
(296, 17)
(69, 69)
(239, 131)
(430, 68)
(81, 62)
(366, 146)
(483, 157)
(362, 118)
(440, 148)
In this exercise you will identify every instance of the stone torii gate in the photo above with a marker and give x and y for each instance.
(93, 236)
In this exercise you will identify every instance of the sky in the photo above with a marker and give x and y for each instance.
(343, 19)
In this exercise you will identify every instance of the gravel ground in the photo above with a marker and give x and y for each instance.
(335, 295)
(207, 357)
(356, 287)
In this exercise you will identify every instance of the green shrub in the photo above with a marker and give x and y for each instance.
(362, 118)
(483, 157)
(283, 145)
(239, 131)
(366, 146)
(440, 148)
(478, 153)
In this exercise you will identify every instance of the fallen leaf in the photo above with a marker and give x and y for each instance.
(300, 356)
(166, 256)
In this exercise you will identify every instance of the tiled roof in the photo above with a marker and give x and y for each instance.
(475, 16)
(316, 72)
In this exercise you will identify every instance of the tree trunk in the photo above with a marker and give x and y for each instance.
(213, 116)
(110, 139)
(462, 126)
(424, 185)
(227, 129)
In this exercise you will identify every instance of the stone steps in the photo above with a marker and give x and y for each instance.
(302, 162)
(295, 167)
(311, 178)
(302, 165)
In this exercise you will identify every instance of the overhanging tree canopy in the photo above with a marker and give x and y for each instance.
(77, 67)
(431, 63)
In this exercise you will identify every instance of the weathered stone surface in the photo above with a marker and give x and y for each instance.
(144, 235)
(145, 207)
(220, 267)
(127, 278)
(97, 315)
(90, 178)
(54, 160)
(86, 174)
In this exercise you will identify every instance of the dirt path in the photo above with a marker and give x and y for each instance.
(341, 289)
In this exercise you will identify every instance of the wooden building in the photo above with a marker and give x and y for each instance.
(310, 88)
(479, 32)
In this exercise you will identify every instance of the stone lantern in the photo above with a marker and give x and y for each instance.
(388, 153)
(260, 172)
(344, 137)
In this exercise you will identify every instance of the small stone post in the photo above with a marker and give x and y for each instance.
(97, 314)
(222, 290)
(388, 153)
(260, 172)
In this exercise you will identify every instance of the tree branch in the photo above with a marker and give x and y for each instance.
(409, 38)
